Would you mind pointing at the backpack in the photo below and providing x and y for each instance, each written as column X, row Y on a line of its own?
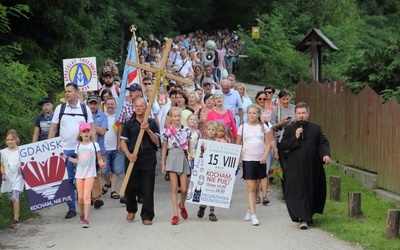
column 62, row 111
column 95, row 153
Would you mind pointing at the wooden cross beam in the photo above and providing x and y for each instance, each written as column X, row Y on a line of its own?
column 154, row 70
column 148, row 109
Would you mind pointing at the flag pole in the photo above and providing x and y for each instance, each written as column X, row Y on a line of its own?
column 132, row 55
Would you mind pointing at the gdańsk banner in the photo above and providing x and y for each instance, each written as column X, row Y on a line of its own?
column 45, row 173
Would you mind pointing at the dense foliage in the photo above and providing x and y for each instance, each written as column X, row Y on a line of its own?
column 36, row 35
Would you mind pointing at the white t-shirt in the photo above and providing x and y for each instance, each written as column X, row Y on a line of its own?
column 69, row 126
column 11, row 162
column 185, row 66
column 110, row 138
column 253, row 141
column 86, row 166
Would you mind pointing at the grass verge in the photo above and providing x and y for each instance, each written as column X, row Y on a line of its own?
column 367, row 232
column 6, row 212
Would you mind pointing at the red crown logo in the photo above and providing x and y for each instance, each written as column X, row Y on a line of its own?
column 38, row 174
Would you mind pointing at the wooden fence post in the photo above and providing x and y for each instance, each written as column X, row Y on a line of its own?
column 392, row 223
column 334, row 182
column 355, row 204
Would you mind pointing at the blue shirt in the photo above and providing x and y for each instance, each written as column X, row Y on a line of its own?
column 232, row 101
column 101, row 120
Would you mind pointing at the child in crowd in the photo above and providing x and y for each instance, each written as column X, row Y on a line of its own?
column 196, row 135
column 176, row 140
column 222, row 133
column 87, row 153
column 211, row 132
column 256, row 147
column 12, row 181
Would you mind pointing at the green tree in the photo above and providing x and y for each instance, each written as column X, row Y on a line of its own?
column 19, row 87
column 272, row 58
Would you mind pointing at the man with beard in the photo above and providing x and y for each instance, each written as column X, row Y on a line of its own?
column 108, row 79
column 305, row 188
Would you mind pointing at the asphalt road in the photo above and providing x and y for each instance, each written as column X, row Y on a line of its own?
column 109, row 229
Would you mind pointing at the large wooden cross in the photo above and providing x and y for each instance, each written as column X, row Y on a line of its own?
column 149, row 105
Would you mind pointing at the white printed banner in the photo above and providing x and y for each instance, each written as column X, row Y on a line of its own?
column 213, row 175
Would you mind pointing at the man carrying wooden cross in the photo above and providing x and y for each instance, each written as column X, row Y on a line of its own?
column 135, row 130
column 142, row 178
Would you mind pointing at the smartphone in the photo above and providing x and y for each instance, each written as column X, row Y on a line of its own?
column 288, row 118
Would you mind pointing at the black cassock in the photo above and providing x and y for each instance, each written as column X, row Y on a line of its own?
column 305, row 188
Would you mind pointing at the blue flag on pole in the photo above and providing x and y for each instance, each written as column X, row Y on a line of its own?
column 131, row 75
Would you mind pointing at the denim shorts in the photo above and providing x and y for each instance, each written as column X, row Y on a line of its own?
column 115, row 162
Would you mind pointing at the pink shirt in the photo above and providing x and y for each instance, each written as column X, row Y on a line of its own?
column 227, row 118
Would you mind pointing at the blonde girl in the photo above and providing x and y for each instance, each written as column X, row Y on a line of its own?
column 211, row 133
column 253, row 135
column 222, row 133
column 87, row 152
column 192, row 122
column 176, row 140
column 12, row 181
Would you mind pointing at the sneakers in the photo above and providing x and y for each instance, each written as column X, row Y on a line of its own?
column 122, row 200
column 200, row 213
column 85, row 224
column 15, row 224
column 254, row 220
column 248, row 216
column 98, row 203
column 70, row 214
column 272, row 180
column 303, row 225
column 184, row 213
column 175, row 220
column 166, row 177
column 212, row 217
column 82, row 217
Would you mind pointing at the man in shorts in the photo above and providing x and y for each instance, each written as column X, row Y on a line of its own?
column 115, row 159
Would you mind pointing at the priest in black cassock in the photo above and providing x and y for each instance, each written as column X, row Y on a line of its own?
column 308, row 149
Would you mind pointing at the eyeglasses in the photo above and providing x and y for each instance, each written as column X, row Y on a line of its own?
column 147, row 83
column 262, row 99
column 268, row 92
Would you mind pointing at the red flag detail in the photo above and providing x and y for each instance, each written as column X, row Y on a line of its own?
column 132, row 75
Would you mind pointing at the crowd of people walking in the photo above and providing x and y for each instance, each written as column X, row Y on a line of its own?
column 215, row 107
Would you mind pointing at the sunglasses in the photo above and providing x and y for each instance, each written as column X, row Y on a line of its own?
column 85, row 131
column 268, row 92
column 147, row 83
column 262, row 99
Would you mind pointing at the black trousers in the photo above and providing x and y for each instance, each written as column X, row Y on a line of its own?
column 142, row 181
